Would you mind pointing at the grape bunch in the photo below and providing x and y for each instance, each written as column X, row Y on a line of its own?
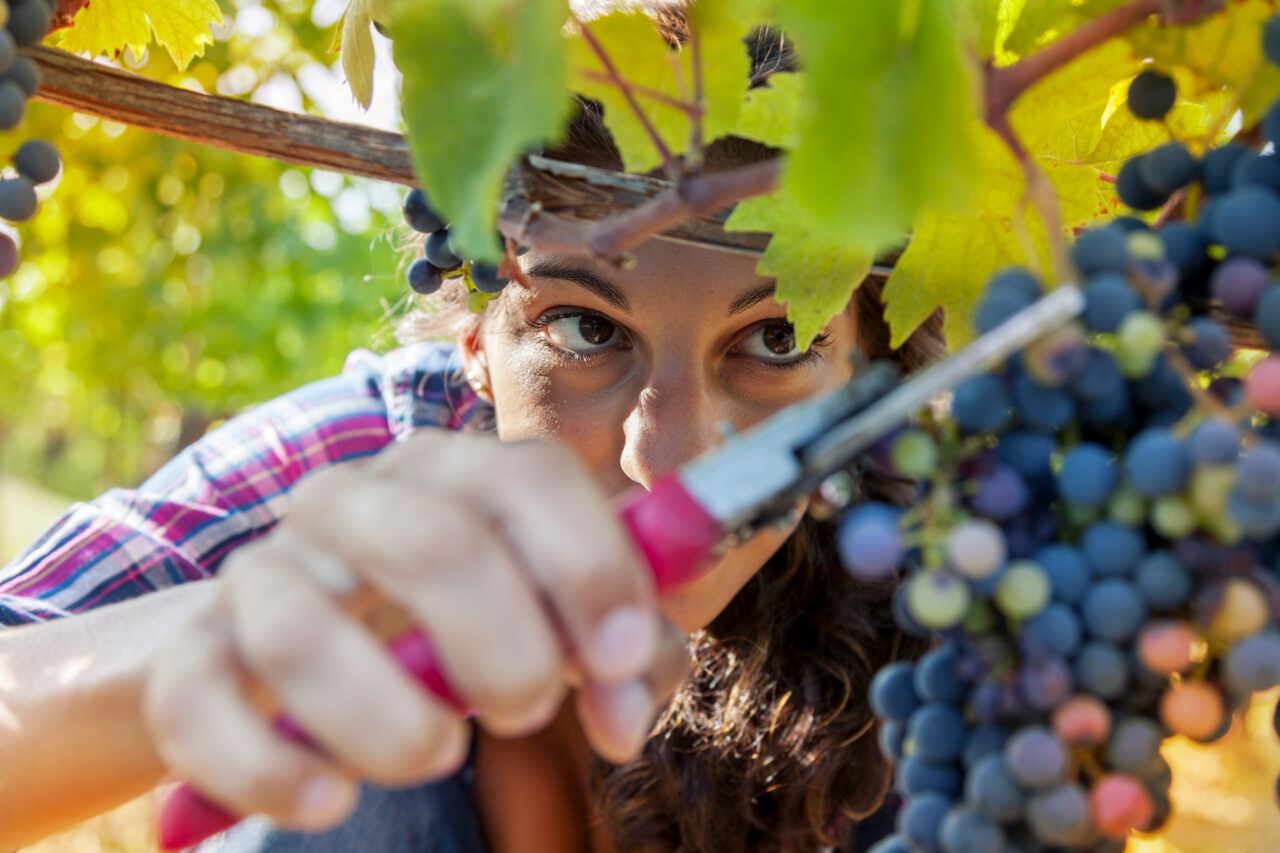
column 439, row 261
column 1095, row 542
column 36, row 161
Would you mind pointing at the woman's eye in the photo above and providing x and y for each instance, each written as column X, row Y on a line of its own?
column 771, row 342
column 583, row 333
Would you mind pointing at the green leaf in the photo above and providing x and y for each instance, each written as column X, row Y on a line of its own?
column 816, row 274
column 109, row 26
column 888, row 132
column 771, row 113
column 483, row 82
column 1223, row 50
column 639, row 55
column 952, row 254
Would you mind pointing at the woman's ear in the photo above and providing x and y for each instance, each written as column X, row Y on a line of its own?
column 474, row 361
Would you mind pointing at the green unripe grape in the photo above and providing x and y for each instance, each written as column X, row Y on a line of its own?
column 1135, row 365
column 1127, row 507
column 1210, row 488
column 1141, row 336
column 1145, row 246
column 476, row 301
column 1172, row 517
column 914, row 454
column 937, row 600
column 1023, row 591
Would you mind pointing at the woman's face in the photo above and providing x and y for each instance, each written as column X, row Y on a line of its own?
column 637, row 370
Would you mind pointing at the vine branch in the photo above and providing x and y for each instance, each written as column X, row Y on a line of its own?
column 569, row 198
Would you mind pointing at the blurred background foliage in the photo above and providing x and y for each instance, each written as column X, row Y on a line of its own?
column 168, row 285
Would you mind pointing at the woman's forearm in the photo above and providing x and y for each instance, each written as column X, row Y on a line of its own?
column 73, row 742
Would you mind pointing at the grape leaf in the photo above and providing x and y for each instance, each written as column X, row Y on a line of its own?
column 771, row 113
column 1225, row 49
column 885, row 88
column 816, row 273
column 109, row 26
column 952, row 254
column 1044, row 20
column 638, row 53
column 483, row 82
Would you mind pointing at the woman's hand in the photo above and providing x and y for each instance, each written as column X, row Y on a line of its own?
column 509, row 557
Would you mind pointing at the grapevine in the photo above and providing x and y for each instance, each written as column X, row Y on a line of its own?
column 1108, row 576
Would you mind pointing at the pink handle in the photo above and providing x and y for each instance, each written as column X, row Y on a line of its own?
column 674, row 533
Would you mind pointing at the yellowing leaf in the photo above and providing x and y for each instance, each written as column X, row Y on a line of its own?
column 639, row 54
column 816, row 274
column 502, row 67
column 109, row 26
column 1225, row 49
column 952, row 255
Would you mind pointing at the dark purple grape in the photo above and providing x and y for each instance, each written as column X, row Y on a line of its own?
column 13, row 105
column 8, row 51
column 1134, row 190
column 1218, row 167
column 418, row 214
column 8, row 256
column 37, row 160
column 486, row 279
column 1271, row 39
column 25, row 74
column 424, row 277
column 17, row 199
column 1169, row 167
column 438, row 252
column 29, row 21
column 1151, row 94
column 1238, row 283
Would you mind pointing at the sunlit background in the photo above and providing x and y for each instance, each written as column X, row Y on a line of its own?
column 168, row 286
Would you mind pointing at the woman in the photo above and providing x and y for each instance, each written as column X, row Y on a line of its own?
column 729, row 714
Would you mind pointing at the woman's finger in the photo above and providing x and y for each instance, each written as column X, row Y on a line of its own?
column 208, row 733
column 334, row 678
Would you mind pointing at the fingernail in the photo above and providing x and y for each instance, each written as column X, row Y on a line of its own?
column 323, row 799
column 634, row 704
column 625, row 642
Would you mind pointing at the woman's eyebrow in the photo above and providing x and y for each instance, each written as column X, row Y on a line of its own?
column 752, row 297
column 606, row 290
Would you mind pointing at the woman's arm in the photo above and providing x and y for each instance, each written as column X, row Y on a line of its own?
column 97, row 593
column 72, row 738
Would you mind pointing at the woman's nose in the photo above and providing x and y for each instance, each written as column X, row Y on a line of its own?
column 673, row 419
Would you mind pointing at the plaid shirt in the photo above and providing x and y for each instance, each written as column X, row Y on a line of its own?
column 233, row 484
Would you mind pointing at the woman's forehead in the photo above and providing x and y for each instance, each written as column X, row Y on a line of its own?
column 658, row 264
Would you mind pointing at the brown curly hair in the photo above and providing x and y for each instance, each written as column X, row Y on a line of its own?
column 770, row 744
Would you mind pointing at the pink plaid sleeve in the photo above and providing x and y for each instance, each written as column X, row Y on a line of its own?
column 233, row 484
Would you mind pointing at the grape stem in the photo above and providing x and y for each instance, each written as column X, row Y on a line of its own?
column 693, row 111
column 628, row 92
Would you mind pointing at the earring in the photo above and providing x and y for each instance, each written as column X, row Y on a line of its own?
column 478, row 386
